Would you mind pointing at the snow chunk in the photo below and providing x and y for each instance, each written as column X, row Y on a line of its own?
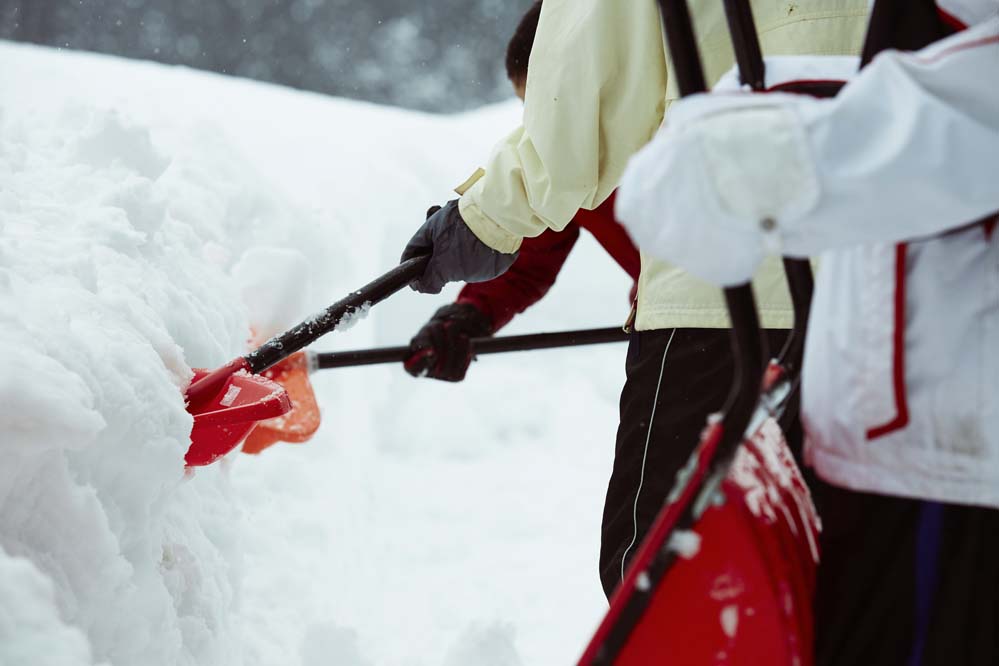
column 729, row 618
column 685, row 543
column 350, row 319
column 42, row 402
column 31, row 631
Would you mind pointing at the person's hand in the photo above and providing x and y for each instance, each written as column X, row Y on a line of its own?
column 456, row 253
column 442, row 349
column 721, row 184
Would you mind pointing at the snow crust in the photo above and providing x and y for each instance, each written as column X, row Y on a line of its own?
column 150, row 217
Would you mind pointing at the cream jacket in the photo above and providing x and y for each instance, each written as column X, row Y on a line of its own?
column 598, row 87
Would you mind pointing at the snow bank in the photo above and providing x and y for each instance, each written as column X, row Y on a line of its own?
column 148, row 217
column 106, row 299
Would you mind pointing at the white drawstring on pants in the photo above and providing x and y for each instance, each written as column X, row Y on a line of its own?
column 645, row 453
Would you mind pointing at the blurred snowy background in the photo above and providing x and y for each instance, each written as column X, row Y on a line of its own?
column 433, row 55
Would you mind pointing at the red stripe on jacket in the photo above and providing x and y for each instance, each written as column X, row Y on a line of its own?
column 540, row 260
column 950, row 20
column 901, row 419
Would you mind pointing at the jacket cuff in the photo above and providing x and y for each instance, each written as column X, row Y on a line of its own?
column 481, row 305
column 485, row 229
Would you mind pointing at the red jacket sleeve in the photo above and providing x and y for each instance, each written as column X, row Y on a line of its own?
column 527, row 281
column 611, row 235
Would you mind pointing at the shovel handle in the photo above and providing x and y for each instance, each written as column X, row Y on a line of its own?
column 508, row 343
column 747, row 342
column 282, row 346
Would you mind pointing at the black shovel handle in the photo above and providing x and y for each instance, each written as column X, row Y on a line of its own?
column 747, row 343
column 745, row 44
column 282, row 346
column 752, row 72
column 508, row 343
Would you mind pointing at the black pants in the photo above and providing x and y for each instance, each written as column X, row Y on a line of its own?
column 906, row 582
column 675, row 378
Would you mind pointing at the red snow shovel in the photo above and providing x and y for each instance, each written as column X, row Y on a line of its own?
column 727, row 571
column 302, row 421
column 229, row 401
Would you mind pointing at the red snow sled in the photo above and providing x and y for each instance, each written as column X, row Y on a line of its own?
column 727, row 572
column 726, row 575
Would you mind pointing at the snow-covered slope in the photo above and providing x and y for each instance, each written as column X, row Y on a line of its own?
column 426, row 524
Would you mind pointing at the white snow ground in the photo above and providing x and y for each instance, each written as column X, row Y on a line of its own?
column 425, row 525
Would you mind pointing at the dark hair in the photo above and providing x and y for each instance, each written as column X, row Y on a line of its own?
column 518, row 51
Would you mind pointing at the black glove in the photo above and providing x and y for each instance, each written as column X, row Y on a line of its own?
column 442, row 349
column 456, row 253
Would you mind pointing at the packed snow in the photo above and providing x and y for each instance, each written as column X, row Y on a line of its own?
column 150, row 219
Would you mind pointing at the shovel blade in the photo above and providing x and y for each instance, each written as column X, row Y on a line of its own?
column 299, row 424
column 224, row 420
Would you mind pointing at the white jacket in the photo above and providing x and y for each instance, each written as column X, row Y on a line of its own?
column 901, row 375
column 901, row 383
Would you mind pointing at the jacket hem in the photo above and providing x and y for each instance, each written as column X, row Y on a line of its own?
column 871, row 477
column 713, row 317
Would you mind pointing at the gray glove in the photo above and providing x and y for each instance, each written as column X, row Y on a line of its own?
column 456, row 254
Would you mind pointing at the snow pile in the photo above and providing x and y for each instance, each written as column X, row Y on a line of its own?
column 113, row 284
column 149, row 216
column 98, row 285
column 107, row 298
